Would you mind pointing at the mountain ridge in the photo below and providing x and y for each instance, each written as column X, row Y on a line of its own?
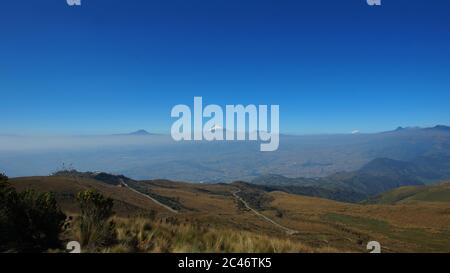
column 375, row 177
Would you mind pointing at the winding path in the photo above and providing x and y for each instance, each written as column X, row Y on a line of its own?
column 286, row 229
column 151, row 198
column 235, row 194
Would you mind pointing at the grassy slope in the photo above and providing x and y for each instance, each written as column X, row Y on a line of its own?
column 433, row 193
column 65, row 188
column 418, row 226
column 414, row 227
column 324, row 225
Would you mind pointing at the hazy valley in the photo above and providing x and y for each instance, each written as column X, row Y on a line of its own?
column 149, row 156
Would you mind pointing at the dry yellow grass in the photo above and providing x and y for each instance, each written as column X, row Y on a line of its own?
column 412, row 227
column 211, row 220
column 141, row 235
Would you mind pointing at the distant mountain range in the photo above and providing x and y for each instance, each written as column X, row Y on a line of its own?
column 144, row 155
column 435, row 128
column 140, row 132
column 377, row 176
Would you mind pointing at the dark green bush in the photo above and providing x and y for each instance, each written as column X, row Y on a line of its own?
column 95, row 227
column 3, row 177
column 28, row 221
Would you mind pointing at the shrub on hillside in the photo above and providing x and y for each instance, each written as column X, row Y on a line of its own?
column 28, row 221
column 3, row 177
column 95, row 227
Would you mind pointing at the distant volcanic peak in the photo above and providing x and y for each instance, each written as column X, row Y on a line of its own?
column 441, row 127
column 400, row 128
column 140, row 132
column 216, row 127
column 437, row 127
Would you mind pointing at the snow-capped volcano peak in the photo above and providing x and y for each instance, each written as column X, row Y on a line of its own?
column 216, row 128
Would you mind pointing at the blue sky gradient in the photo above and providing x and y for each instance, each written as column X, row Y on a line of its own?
column 114, row 66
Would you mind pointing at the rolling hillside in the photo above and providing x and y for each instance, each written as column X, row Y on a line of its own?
column 65, row 188
column 434, row 194
column 318, row 225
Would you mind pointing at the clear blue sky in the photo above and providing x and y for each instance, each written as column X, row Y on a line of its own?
column 114, row 66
